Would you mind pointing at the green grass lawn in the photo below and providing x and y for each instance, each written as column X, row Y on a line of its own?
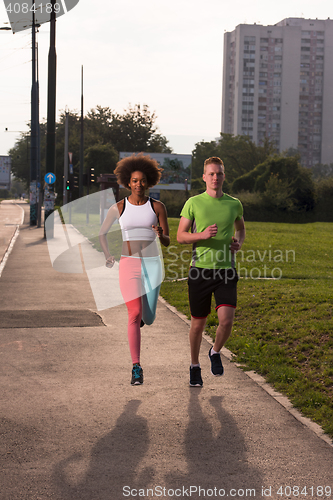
column 283, row 327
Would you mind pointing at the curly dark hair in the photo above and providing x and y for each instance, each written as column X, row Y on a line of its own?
column 139, row 162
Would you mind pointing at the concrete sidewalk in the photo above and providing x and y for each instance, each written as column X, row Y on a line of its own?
column 73, row 428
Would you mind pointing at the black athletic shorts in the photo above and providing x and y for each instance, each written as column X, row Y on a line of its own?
column 202, row 283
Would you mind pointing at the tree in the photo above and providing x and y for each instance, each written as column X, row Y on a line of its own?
column 17, row 188
column 20, row 156
column 135, row 131
column 322, row 171
column 239, row 154
column 102, row 158
column 324, row 208
column 201, row 152
column 282, row 179
column 278, row 194
column 106, row 133
column 292, row 152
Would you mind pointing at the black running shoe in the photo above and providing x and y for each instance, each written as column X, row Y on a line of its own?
column 195, row 377
column 137, row 375
column 216, row 367
column 142, row 323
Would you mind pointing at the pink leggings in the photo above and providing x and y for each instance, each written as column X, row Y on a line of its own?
column 140, row 281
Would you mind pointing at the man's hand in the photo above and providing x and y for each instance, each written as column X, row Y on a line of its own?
column 235, row 245
column 209, row 232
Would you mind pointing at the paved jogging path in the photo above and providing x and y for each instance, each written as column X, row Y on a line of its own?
column 73, row 428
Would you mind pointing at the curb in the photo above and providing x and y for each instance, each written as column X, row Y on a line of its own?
column 261, row 382
column 11, row 243
column 9, row 249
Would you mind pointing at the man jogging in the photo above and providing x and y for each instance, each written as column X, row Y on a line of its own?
column 217, row 233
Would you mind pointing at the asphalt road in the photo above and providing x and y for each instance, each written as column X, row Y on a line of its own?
column 73, row 428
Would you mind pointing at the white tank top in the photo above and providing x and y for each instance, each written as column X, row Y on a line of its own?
column 136, row 221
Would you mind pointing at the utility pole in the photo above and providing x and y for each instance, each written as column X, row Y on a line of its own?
column 51, row 116
column 34, row 144
column 65, row 198
column 39, row 173
column 81, row 141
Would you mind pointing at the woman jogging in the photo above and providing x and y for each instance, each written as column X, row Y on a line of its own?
column 141, row 219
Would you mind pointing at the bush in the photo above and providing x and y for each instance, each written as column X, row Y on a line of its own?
column 4, row 193
column 324, row 197
column 174, row 201
column 284, row 184
column 247, row 181
column 277, row 195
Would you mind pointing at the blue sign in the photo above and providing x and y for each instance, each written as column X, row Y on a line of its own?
column 154, row 194
column 50, row 178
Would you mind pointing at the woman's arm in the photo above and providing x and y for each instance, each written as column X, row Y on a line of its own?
column 112, row 215
column 162, row 229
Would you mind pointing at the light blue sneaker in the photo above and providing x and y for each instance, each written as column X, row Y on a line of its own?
column 137, row 375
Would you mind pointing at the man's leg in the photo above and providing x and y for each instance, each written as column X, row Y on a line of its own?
column 196, row 329
column 226, row 316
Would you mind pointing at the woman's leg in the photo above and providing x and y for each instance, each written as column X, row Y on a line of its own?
column 152, row 279
column 131, row 289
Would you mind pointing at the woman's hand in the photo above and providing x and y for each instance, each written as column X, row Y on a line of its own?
column 158, row 230
column 110, row 261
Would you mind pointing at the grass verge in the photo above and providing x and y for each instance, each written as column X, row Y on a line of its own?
column 283, row 327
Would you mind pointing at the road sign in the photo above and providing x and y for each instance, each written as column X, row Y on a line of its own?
column 50, row 178
column 20, row 12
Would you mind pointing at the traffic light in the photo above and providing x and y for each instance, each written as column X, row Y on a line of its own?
column 92, row 175
column 88, row 179
column 75, row 181
column 70, row 184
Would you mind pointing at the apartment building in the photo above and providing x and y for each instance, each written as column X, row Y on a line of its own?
column 278, row 83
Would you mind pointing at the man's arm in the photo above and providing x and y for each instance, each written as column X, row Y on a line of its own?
column 183, row 235
column 238, row 239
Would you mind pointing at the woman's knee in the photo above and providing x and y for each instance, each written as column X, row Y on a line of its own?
column 148, row 316
column 134, row 311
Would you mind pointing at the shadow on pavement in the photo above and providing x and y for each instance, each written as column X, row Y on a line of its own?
column 214, row 454
column 113, row 462
column 215, row 459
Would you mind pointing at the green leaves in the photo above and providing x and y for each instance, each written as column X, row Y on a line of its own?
column 106, row 133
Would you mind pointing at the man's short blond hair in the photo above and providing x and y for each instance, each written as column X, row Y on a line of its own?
column 213, row 159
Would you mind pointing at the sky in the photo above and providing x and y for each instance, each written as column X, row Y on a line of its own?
column 167, row 54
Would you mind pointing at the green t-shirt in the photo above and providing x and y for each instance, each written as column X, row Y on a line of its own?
column 204, row 210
